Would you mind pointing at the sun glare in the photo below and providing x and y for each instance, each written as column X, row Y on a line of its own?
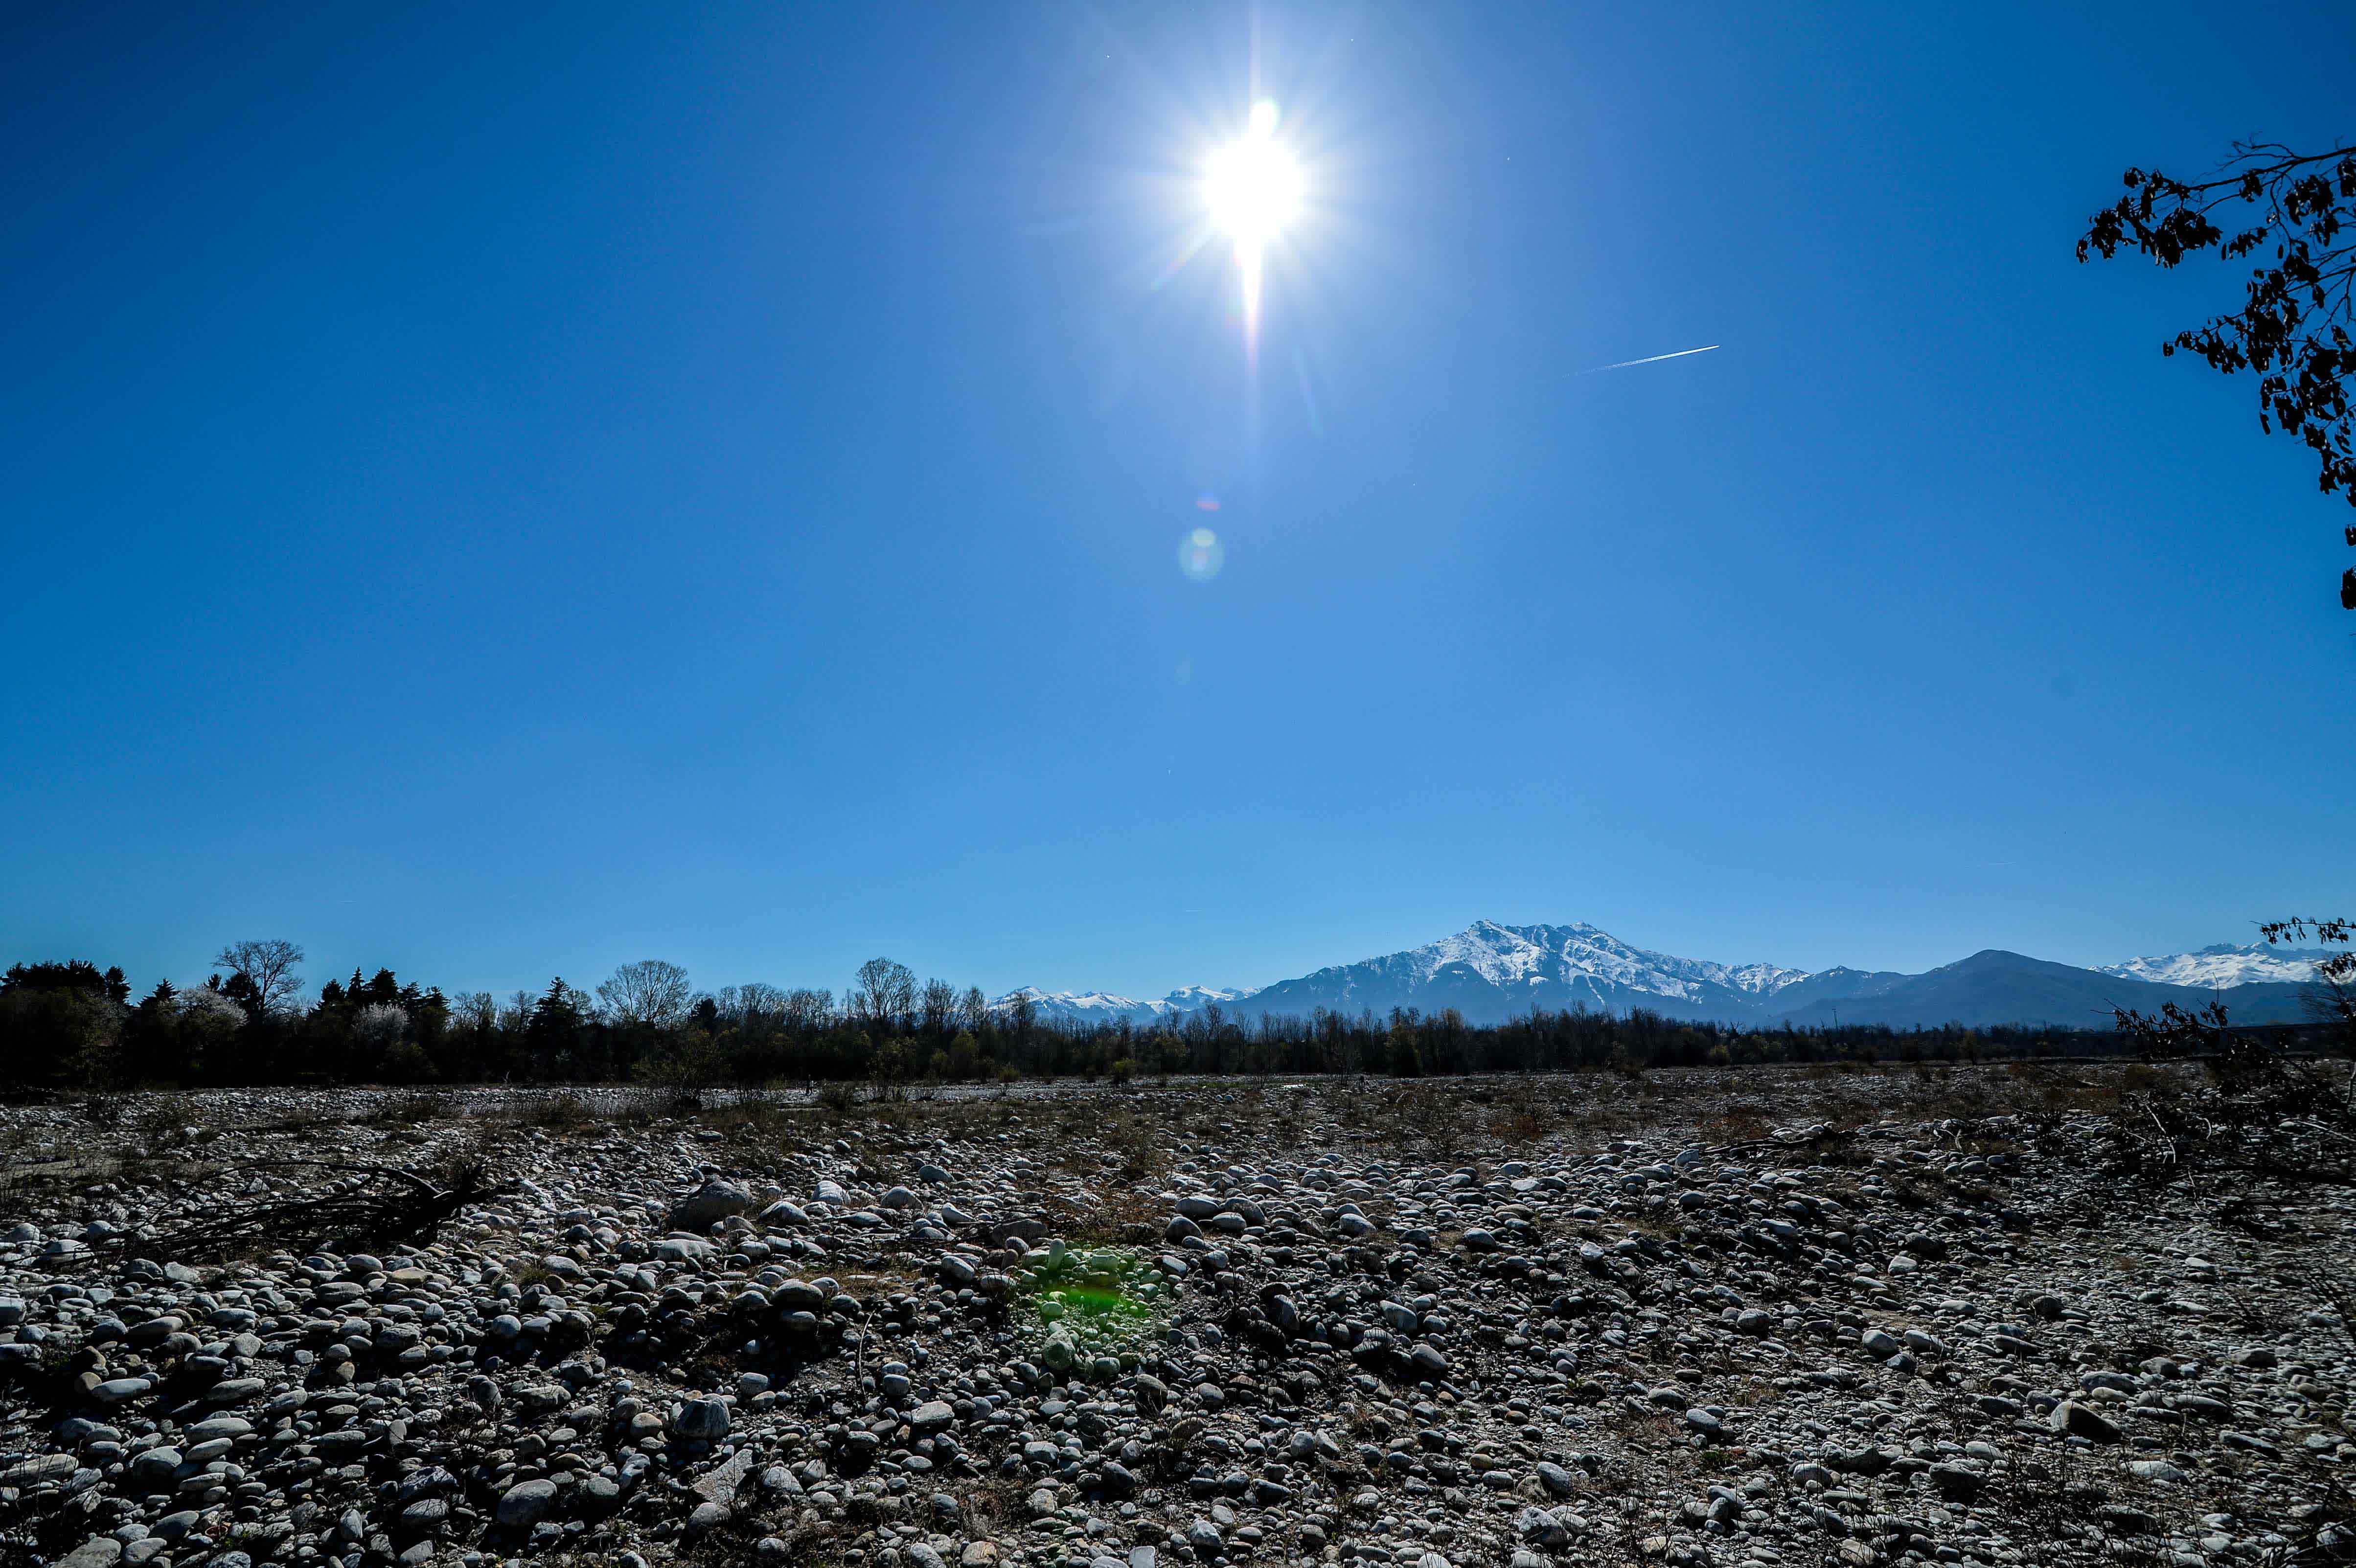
column 1253, row 188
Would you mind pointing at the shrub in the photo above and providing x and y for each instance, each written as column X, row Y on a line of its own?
column 406, row 1062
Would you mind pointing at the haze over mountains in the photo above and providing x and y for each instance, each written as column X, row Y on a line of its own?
column 1490, row 973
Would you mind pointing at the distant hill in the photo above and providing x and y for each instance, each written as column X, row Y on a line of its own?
column 1996, row 988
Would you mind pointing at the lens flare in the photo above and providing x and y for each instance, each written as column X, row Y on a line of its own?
column 1199, row 555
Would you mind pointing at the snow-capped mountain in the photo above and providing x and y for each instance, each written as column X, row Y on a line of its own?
column 1494, row 971
column 1525, row 955
column 1490, row 973
column 1188, row 998
column 1108, row 1006
column 2222, row 964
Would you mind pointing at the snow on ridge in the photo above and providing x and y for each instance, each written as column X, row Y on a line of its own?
column 1516, row 956
column 1104, row 1006
column 1764, row 979
column 1186, row 997
column 2221, row 965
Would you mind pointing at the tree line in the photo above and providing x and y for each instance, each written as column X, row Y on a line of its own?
column 70, row 1026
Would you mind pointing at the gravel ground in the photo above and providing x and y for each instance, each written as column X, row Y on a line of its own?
column 1826, row 1317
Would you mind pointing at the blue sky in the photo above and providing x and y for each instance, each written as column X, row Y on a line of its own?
column 500, row 492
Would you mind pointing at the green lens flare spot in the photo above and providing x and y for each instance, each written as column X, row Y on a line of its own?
column 1085, row 1307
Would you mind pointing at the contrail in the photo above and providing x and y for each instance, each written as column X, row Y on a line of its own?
column 1650, row 359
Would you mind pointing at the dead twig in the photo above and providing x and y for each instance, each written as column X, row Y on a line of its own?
column 385, row 1207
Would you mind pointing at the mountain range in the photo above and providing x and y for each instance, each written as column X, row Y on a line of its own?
column 1490, row 973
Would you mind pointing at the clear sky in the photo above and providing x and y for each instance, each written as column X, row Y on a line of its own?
column 501, row 492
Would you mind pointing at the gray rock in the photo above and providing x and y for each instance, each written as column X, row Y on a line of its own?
column 527, row 1503
column 98, row 1551
column 708, row 1205
column 152, row 1469
column 1957, row 1483
column 702, row 1420
column 720, row 1483
column 2084, row 1420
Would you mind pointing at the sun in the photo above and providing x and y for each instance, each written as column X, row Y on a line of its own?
column 1253, row 185
column 1252, row 189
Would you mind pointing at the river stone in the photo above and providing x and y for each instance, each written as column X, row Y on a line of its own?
column 527, row 1503
column 708, row 1205
column 703, row 1420
column 2084, row 1420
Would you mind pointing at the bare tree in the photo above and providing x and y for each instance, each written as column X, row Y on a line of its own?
column 756, row 1004
column 474, row 1011
column 809, row 1009
column 268, row 970
column 885, row 991
column 940, row 1005
column 651, row 992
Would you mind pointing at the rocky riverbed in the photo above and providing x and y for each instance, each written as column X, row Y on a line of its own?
column 1773, row 1318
